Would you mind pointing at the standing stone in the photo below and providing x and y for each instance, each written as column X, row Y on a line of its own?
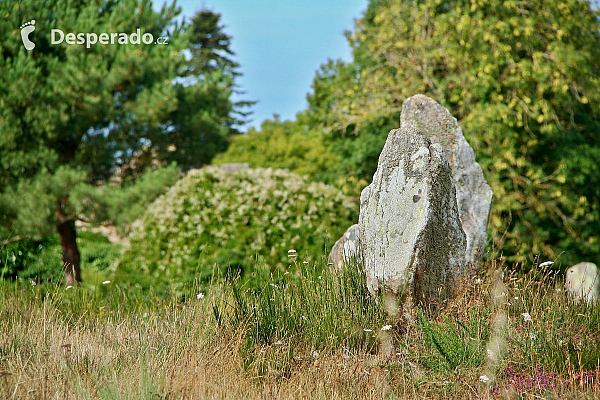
column 411, row 237
column 473, row 194
column 583, row 282
column 345, row 250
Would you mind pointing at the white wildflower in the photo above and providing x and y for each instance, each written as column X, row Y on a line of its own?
column 478, row 281
column 527, row 317
column 532, row 336
column 315, row 354
column 278, row 343
column 484, row 378
column 33, row 283
column 105, row 282
column 386, row 328
column 368, row 330
column 200, row 296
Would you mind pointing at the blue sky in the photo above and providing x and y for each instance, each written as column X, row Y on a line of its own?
column 280, row 45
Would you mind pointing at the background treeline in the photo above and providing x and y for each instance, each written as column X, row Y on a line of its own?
column 522, row 78
column 103, row 132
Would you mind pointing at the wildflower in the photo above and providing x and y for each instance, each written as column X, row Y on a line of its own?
column 278, row 343
column 484, row 378
column 386, row 328
column 105, row 282
column 545, row 264
column 368, row 330
column 315, row 354
column 305, row 262
column 292, row 253
column 200, row 296
column 527, row 317
column 532, row 336
column 33, row 283
column 478, row 281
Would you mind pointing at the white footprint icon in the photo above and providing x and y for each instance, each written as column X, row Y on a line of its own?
column 26, row 29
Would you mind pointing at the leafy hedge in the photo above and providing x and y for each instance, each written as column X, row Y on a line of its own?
column 40, row 260
column 232, row 221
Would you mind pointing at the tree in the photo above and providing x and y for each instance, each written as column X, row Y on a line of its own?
column 199, row 128
column 522, row 79
column 283, row 145
column 69, row 114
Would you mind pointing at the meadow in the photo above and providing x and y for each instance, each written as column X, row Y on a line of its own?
column 311, row 334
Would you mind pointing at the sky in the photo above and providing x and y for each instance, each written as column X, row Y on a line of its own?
column 280, row 44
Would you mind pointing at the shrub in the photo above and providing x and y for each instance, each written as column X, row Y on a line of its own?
column 232, row 221
column 40, row 260
column 284, row 144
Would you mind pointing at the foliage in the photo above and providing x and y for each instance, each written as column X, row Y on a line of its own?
column 522, row 78
column 457, row 344
column 120, row 204
column 215, row 218
column 99, row 111
column 40, row 260
column 284, row 145
column 37, row 260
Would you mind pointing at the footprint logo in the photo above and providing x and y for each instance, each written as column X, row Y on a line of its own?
column 26, row 29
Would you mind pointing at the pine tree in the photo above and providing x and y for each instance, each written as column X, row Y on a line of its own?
column 70, row 114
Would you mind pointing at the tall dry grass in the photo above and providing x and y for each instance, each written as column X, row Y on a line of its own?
column 112, row 343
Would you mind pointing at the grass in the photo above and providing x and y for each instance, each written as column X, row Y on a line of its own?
column 305, row 334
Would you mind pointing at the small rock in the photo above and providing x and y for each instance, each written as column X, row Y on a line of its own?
column 583, row 282
column 346, row 249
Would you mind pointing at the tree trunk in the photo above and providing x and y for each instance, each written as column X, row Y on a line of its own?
column 68, row 236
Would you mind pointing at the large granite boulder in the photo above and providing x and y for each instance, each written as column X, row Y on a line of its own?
column 582, row 282
column 411, row 237
column 473, row 194
column 345, row 250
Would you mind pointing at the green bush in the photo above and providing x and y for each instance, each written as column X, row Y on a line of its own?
column 287, row 145
column 37, row 260
column 40, row 260
column 232, row 221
